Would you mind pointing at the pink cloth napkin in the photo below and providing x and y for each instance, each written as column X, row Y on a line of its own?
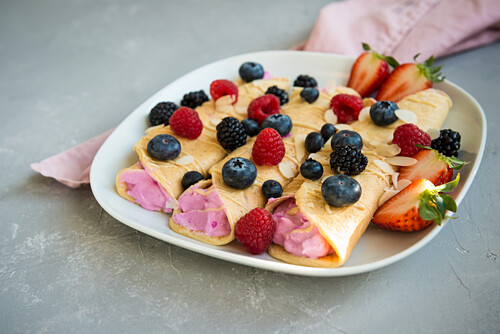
column 401, row 28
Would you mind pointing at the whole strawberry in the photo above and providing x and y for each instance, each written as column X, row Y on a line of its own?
column 186, row 123
column 268, row 148
column 255, row 230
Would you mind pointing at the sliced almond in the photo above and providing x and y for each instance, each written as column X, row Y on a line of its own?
column 364, row 114
column 184, row 160
column 384, row 166
column 330, row 117
column 389, row 138
column 395, row 180
column 403, row 184
column 215, row 121
column 332, row 86
column 343, row 127
column 386, row 196
column 369, row 101
column 300, row 147
column 401, row 161
column 388, row 150
column 286, row 170
column 433, row 133
column 407, row 116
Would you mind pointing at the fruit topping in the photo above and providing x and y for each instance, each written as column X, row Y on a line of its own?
column 369, row 71
column 251, row 71
column 194, row 99
column 416, row 206
column 231, row 134
column 382, row 113
column 272, row 189
column 186, row 123
column 407, row 136
column 239, row 173
column 327, row 130
column 190, row 178
column 255, row 230
column 348, row 159
column 220, row 88
column 279, row 122
column 262, row 107
column 281, row 94
column 347, row 137
column 347, row 107
column 305, row 81
column 314, row 142
column 251, row 127
column 161, row 113
column 310, row 94
column 448, row 143
column 340, row 190
column 311, row 169
column 164, row 147
column 431, row 165
column 409, row 78
column 268, row 148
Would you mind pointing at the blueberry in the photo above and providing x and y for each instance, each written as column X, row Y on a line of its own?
column 314, row 142
column 311, row 169
column 191, row 178
column 347, row 137
column 272, row 189
column 239, row 173
column 382, row 113
column 164, row 147
column 341, row 190
column 279, row 122
column 310, row 94
column 251, row 127
column 251, row 71
column 327, row 131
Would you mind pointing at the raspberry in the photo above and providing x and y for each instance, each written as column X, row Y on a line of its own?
column 346, row 107
column 255, row 230
column 263, row 106
column 407, row 136
column 268, row 148
column 220, row 88
column 186, row 123
column 194, row 99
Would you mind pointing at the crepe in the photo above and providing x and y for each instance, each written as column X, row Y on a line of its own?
column 343, row 227
column 305, row 118
column 201, row 153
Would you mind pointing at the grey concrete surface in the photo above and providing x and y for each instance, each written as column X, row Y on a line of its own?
column 70, row 70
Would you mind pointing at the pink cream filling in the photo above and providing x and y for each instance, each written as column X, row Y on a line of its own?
column 146, row 191
column 203, row 211
column 291, row 232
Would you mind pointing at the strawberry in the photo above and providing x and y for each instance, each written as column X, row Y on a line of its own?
column 416, row 206
column 369, row 71
column 409, row 78
column 431, row 165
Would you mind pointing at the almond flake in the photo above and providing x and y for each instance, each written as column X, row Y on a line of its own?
column 386, row 196
column 403, row 184
column 215, row 121
column 407, row 116
column 364, row 114
column 332, row 86
column 388, row 150
column 330, row 117
column 300, row 147
column 369, row 101
column 395, row 180
column 433, row 133
column 286, row 170
column 384, row 166
column 185, row 160
column 343, row 127
column 401, row 161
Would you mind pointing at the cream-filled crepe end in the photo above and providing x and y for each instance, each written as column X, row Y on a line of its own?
column 198, row 154
column 305, row 222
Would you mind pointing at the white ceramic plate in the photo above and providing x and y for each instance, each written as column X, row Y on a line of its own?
column 377, row 248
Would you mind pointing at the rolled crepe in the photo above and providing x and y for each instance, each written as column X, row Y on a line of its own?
column 196, row 154
column 235, row 202
column 342, row 227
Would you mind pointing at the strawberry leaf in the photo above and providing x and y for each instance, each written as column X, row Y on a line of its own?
column 447, row 187
column 440, row 205
column 449, row 202
column 389, row 60
column 366, row 47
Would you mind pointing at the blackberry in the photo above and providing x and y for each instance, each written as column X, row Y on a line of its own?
column 448, row 143
column 194, row 99
column 161, row 113
column 231, row 134
column 305, row 81
column 347, row 159
column 281, row 94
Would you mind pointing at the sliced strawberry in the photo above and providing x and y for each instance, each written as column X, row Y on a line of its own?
column 409, row 78
column 369, row 71
column 416, row 207
column 431, row 165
